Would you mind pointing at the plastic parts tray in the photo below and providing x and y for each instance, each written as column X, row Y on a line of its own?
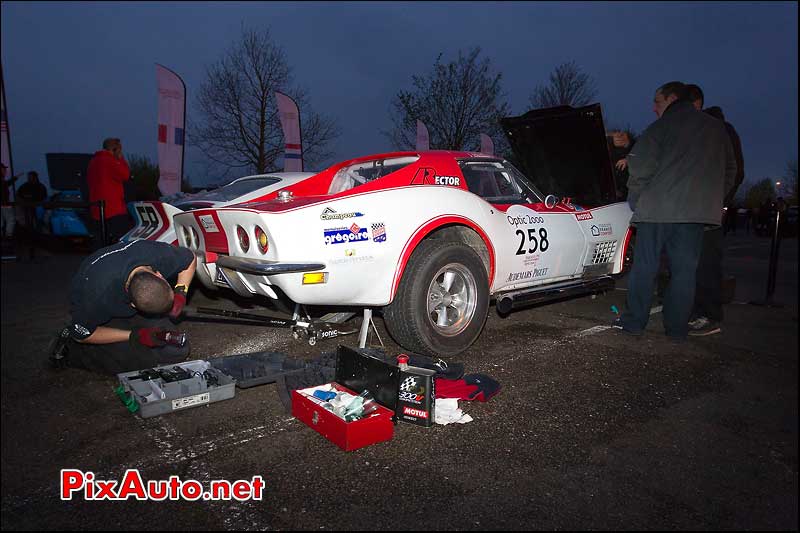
column 151, row 395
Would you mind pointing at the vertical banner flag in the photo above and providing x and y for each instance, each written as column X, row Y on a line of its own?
column 290, row 122
column 171, row 129
column 6, row 137
column 487, row 146
column 423, row 141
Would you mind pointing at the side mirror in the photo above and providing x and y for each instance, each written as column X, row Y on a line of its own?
column 550, row 201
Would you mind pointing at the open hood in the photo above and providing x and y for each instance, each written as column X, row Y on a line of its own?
column 563, row 150
column 68, row 172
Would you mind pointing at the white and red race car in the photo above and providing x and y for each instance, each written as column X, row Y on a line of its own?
column 154, row 219
column 428, row 238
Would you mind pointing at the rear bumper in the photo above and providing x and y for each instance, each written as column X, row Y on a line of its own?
column 246, row 276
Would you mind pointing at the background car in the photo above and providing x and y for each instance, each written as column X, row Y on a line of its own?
column 428, row 238
column 153, row 220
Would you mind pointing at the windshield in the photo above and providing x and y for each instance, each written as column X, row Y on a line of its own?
column 235, row 189
column 499, row 182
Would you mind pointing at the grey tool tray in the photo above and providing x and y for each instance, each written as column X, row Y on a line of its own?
column 156, row 395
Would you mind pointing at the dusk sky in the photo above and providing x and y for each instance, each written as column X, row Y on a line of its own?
column 78, row 72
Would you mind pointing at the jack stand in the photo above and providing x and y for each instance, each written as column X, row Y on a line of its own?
column 364, row 331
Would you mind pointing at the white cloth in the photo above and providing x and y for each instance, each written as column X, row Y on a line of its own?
column 447, row 412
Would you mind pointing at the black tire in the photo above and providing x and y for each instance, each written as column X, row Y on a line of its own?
column 461, row 308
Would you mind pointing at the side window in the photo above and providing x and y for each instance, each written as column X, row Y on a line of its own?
column 360, row 173
column 497, row 182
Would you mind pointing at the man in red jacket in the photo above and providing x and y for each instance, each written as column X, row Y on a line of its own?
column 107, row 172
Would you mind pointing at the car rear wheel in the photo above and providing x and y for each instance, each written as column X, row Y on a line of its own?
column 442, row 300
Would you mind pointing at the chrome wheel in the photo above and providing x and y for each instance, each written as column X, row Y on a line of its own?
column 452, row 296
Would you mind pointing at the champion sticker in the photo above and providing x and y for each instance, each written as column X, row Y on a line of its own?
column 208, row 223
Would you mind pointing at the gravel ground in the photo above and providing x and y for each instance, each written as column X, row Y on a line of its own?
column 592, row 430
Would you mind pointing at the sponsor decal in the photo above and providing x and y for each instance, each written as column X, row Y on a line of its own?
column 379, row 232
column 350, row 252
column 524, row 220
column 208, row 223
column 531, row 260
column 344, row 235
column 601, row 230
column 427, row 176
column 528, row 274
column 453, row 181
column 352, row 260
column 330, row 214
column 419, row 413
column 584, row 215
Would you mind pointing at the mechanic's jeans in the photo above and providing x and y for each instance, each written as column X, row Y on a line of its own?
column 682, row 244
column 122, row 356
column 708, row 291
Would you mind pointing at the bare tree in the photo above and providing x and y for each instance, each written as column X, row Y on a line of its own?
column 239, row 128
column 568, row 86
column 457, row 101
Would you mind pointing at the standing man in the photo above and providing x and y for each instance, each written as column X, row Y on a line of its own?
column 32, row 191
column 680, row 169
column 706, row 314
column 9, row 218
column 107, row 173
column 114, row 284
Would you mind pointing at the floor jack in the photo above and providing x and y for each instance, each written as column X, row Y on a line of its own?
column 301, row 324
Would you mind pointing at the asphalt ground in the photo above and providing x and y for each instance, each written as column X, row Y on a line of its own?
column 592, row 430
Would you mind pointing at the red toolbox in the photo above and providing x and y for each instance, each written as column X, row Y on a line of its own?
column 376, row 427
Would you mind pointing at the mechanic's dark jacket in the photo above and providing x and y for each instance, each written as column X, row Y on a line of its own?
column 716, row 112
column 680, row 168
column 97, row 293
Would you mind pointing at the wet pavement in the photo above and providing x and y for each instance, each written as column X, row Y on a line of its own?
column 592, row 430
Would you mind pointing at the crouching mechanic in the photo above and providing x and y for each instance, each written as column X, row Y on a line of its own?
column 118, row 300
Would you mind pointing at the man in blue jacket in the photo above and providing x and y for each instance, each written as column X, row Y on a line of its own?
column 680, row 169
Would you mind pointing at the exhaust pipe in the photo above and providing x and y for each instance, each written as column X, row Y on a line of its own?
column 519, row 299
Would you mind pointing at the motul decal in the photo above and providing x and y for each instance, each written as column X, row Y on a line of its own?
column 419, row 413
column 584, row 215
column 427, row 176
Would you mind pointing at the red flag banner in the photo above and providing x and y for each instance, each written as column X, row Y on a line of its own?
column 289, row 115
column 6, row 136
column 487, row 146
column 171, row 126
column 423, row 141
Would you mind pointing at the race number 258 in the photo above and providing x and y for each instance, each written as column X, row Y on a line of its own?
column 536, row 241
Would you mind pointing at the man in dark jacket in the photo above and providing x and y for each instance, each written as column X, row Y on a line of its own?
column 706, row 314
column 680, row 169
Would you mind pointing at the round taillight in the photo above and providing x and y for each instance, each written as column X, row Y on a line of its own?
column 244, row 240
column 261, row 240
column 187, row 237
column 196, row 243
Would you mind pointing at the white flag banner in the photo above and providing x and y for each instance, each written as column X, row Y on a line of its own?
column 487, row 146
column 171, row 129
column 423, row 141
column 6, row 139
column 290, row 122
